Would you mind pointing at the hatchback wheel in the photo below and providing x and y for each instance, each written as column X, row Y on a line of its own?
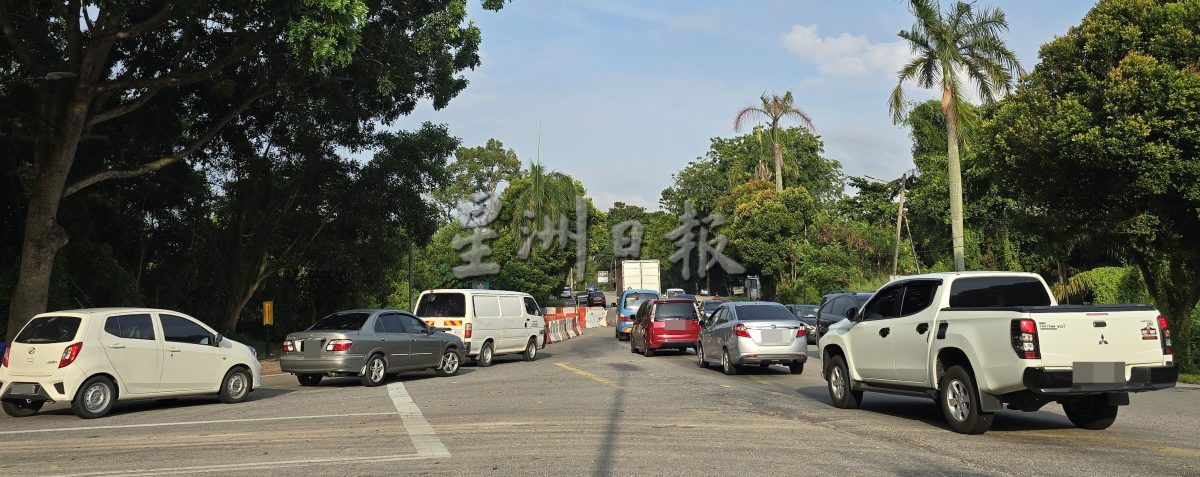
column 21, row 408
column 727, row 365
column 309, row 379
column 375, row 373
column 485, row 355
column 95, row 398
column 448, row 366
column 646, row 350
column 235, row 386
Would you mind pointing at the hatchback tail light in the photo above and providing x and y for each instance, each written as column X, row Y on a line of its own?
column 1025, row 339
column 467, row 330
column 1164, row 332
column 69, row 354
column 338, row 345
column 7, row 350
column 741, row 330
column 288, row 346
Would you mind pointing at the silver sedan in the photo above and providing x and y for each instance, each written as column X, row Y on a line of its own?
column 754, row 332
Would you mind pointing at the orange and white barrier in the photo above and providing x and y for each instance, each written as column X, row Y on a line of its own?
column 564, row 323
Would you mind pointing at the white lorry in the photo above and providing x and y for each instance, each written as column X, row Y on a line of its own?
column 639, row 275
column 977, row 341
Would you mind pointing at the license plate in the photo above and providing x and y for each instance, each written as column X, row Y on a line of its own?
column 23, row 388
column 1084, row 372
column 675, row 325
column 775, row 336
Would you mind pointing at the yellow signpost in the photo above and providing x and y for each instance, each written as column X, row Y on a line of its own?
column 268, row 313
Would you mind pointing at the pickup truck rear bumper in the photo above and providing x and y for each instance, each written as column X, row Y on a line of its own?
column 1060, row 382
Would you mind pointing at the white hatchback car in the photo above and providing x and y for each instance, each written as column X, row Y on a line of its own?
column 95, row 357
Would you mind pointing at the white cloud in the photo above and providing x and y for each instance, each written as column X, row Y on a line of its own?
column 846, row 54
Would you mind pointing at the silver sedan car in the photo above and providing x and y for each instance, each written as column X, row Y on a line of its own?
column 754, row 332
column 370, row 344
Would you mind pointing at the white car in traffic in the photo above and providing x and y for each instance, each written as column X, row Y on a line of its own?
column 93, row 358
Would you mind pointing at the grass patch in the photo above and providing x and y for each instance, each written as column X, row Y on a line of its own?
column 1189, row 378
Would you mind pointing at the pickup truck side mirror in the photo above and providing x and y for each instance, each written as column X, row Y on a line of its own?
column 852, row 314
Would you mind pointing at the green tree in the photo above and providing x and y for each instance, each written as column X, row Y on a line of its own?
column 773, row 109
column 960, row 39
column 1103, row 137
column 477, row 169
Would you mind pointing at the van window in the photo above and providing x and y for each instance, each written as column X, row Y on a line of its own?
column 442, row 305
column 992, row 292
column 486, row 306
column 510, row 306
column 531, row 307
column 49, row 329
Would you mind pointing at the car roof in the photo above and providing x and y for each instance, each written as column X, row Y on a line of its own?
column 674, row 300
column 626, row 292
column 108, row 310
column 747, row 303
column 472, row 290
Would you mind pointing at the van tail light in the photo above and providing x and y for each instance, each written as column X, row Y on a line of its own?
column 1164, row 333
column 741, row 330
column 800, row 333
column 69, row 354
column 1025, row 339
column 288, row 346
column 7, row 350
column 338, row 345
column 467, row 330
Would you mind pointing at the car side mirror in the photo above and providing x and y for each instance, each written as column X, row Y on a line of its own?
column 852, row 314
column 614, row 305
column 217, row 340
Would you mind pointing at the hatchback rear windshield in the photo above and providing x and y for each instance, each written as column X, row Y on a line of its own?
column 633, row 300
column 341, row 322
column 998, row 292
column 674, row 311
column 49, row 329
column 764, row 313
column 441, row 305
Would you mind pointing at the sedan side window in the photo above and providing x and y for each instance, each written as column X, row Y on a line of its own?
column 412, row 324
column 885, row 304
column 182, row 330
column 390, row 323
column 134, row 327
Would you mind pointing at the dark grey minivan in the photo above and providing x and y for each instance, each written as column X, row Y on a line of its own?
column 370, row 344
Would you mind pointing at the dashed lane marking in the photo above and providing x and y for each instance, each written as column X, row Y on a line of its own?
column 194, row 423
column 423, row 438
column 592, row 376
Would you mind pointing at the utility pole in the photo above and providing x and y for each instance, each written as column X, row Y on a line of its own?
column 410, row 280
column 899, row 222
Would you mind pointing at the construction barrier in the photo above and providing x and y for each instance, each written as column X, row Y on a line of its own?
column 564, row 323
column 597, row 317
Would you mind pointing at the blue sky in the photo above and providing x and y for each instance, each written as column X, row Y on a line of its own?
column 627, row 92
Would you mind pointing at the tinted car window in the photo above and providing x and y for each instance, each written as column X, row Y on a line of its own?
column 412, row 324
column 531, row 307
column 440, row 305
column 804, row 310
column 134, row 327
column 341, row 322
column 918, row 295
column 674, row 311
column 990, row 292
column 711, row 305
column 884, row 305
column 764, row 313
column 49, row 329
column 182, row 330
column 390, row 323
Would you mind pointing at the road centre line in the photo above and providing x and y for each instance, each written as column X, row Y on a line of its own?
column 250, row 466
column 592, row 376
column 760, row 380
column 194, row 423
column 424, row 439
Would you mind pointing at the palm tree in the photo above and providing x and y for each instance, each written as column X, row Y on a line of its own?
column 963, row 44
column 549, row 194
column 773, row 109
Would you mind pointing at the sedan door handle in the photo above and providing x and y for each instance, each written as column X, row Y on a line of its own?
column 116, row 346
column 173, row 350
column 884, row 332
column 922, row 328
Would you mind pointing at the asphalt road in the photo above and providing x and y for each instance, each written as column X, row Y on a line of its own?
column 589, row 407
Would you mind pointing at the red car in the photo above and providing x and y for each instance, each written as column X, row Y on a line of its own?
column 670, row 323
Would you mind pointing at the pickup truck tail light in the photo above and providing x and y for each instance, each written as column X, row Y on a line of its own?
column 288, row 346
column 69, row 354
column 338, row 345
column 467, row 330
column 1165, row 335
column 741, row 330
column 1025, row 339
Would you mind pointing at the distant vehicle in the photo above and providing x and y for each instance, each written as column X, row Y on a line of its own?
column 709, row 306
column 838, row 306
column 95, row 357
column 627, row 305
column 752, row 332
column 370, row 344
column 639, row 275
column 581, row 298
column 807, row 314
column 595, row 298
column 565, row 293
column 591, row 287
column 703, row 292
column 674, row 292
column 977, row 342
column 489, row 322
column 670, row 323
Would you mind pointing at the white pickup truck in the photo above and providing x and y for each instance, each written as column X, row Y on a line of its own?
column 977, row 341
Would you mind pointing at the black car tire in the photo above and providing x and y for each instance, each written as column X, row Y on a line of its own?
column 486, row 354
column 21, row 408
column 308, row 379
column 101, row 384
column 235, row 386
column 849, row 399
column 963, row 414
column 1090, row 412
column 646, row 350
column 367, row 379
column 530, row 353
column 700, row 356
column 764, row 365
column 727, row 365
column 796, row 367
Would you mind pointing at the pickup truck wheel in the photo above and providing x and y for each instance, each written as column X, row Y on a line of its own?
column 959, row 404
column 1091, row 412
column 839, row 385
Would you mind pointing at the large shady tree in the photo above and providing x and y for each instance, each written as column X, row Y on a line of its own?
column 78, row 75
column 960, row 45
column 773, row 109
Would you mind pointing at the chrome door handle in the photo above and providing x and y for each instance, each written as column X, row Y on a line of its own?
column 173, row 350
column 116, row 346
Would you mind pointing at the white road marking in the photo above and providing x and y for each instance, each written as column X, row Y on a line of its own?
column 250, row 466
column 193, row 423
column 423, row 438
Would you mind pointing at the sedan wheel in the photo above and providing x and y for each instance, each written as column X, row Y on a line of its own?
column 727, row 365
column 449, row 364
column 700, row 356
column 375, row 372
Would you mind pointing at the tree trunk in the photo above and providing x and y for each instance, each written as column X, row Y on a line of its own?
column 954, row 177
column 778, row 165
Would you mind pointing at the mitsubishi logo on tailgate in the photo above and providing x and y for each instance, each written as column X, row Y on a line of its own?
column 1102, row 340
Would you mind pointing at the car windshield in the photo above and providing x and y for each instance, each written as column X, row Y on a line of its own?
column 633, row 300
column 804, row 310
column 764, row 313
column 49, row 329
column 441, row 305
column 674, row 311
column 341, row 322
column 711, row 305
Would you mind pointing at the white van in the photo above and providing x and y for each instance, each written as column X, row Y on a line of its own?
column 490, row 322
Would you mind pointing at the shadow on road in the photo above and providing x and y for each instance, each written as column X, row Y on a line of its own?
column 130, row 407
column 606, row 455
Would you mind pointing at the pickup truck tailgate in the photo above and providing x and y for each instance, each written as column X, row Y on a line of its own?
column 1131, row 337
